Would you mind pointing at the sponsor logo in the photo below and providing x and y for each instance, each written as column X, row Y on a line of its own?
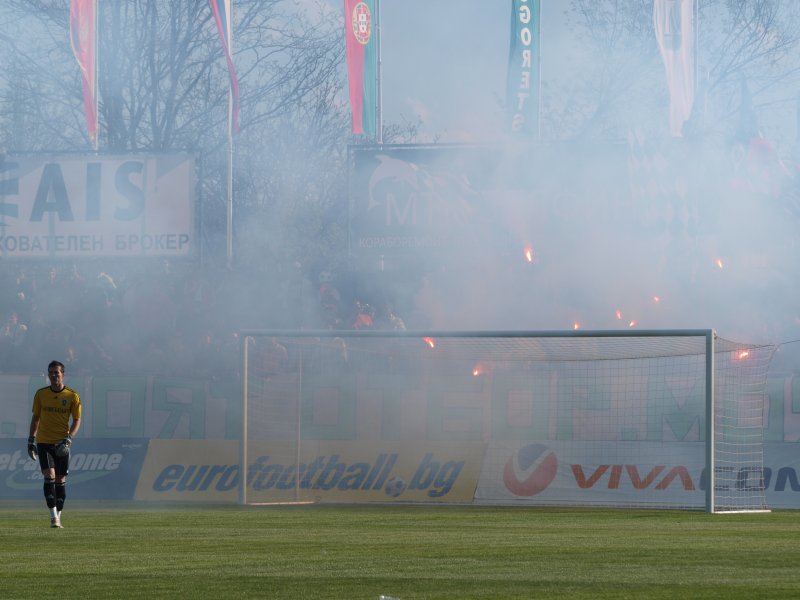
column 530, row 470
column 785, row 476
column 24, row 474
column 323, row 473
column 661, row 477
column 640, row 480
column 362, row 23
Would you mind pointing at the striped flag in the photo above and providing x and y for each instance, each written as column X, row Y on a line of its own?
column 361, row 43
column 82, row 24
column 674, row 25
column 222, row 17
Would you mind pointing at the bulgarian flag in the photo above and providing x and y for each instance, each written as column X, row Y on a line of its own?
column 361, row 40
column 82, row 23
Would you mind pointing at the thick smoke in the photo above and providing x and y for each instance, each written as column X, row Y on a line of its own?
column 643, row 232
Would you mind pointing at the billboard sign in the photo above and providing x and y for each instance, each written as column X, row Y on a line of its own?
column 81, row 206
column 100, row 469
column 462, row 202
column 325, row 471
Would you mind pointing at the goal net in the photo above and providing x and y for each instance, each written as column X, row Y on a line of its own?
column 658, row 419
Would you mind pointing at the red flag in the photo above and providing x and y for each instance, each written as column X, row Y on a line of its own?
column 82, row 22
column 222, row 16
column 360, row 44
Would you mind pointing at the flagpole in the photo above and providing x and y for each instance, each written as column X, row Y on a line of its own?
column 95, row 95
column 378, row 95
column 229, row 233
column 698, row 102
column 539, row 74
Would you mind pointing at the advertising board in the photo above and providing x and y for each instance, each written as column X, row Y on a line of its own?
column 75, row 206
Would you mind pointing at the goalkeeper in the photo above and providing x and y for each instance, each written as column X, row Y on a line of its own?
column 51, row 435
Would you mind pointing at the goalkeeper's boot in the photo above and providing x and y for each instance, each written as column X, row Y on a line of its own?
column 56, row 522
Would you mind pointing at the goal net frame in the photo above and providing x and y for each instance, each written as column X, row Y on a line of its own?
column 723, row 435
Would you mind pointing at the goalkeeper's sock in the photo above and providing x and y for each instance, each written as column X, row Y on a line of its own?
column 61, row 495
column 50, row 493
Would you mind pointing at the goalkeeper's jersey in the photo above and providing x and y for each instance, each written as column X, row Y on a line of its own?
column 54, row 410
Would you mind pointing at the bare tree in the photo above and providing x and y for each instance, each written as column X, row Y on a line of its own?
column 163, row 86
column 162, row 80
column 622, row 83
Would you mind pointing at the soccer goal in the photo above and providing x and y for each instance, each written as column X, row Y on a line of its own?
column 649, row 419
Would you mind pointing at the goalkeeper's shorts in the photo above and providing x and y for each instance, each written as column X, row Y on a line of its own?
column 49, row 460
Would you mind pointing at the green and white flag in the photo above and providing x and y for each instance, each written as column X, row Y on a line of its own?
column 522, row 92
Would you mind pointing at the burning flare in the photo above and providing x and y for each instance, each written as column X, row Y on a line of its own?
column 429, row 341
column 529, row 255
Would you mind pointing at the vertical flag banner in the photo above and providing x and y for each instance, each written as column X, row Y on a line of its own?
column 522, row 91
column 674, row 25
column 222, row 17
column 361, row 43
column 82, row 24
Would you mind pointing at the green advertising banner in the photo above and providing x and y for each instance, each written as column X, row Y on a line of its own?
column 522, row 92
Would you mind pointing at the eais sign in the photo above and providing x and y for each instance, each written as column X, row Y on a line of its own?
column 73, row 206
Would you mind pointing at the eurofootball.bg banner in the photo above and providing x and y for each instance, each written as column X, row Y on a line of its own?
column 522, row 93
column 361, row 42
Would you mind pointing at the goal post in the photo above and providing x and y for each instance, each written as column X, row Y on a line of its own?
column 628, row 418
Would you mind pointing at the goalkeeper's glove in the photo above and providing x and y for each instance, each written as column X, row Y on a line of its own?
column 32, row 448
column 62, row 448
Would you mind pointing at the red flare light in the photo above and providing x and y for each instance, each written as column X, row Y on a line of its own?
column 656, row 299
column 743, row 354
column 632, row 323
column 619, row 314
column 576, row 325
column 529, row 255
column 429, row 341
column 719, row 263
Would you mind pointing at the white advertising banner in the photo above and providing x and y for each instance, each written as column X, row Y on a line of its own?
column 80, row 206
column 596, row 473
column 622, row 473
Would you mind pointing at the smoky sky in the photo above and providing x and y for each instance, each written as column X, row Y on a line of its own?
column 639, row 231
column 642, row 231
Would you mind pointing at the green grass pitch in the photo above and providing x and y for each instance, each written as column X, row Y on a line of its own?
column 406, row 552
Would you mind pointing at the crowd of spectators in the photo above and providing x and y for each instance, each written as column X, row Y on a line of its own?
column 162, row 317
